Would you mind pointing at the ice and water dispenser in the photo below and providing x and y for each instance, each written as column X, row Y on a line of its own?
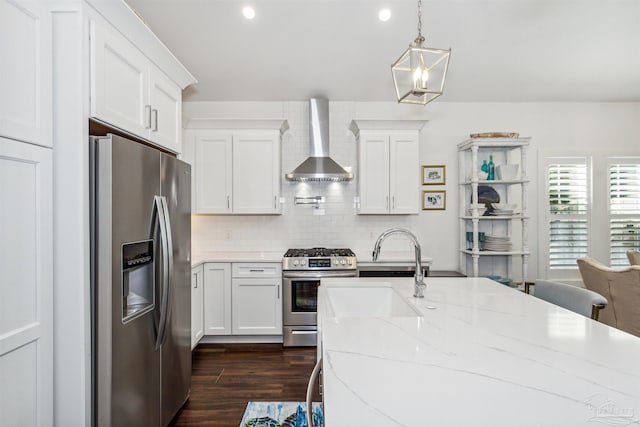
column 138, row 287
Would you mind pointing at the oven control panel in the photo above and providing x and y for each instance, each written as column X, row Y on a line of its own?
column 329, row 263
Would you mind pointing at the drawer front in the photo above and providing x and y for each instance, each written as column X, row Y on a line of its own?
column 261, row 269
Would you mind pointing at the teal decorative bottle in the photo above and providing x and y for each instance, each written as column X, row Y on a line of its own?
column 491, row 168
column 485, row 166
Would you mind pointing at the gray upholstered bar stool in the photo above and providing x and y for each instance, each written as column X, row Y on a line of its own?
column 578, row 300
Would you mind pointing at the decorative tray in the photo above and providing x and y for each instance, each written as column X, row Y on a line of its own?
column 495, row 135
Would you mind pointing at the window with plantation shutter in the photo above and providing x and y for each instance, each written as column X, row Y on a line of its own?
column 624, row 210
column 568, row 214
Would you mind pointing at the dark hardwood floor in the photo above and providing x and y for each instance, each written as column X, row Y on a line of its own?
column 227, row 376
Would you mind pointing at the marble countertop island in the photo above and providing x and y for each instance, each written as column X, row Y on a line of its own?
column 486, row 355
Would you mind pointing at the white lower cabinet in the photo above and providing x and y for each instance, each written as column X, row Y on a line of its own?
column 26, row 288
column 242, row 298
column 256, row 307
column 197, row 305
column 217, row 298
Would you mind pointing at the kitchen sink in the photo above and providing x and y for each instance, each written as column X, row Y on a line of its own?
column 368, row 301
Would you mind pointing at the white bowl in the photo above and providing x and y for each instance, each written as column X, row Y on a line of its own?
column 507, row 172
column 504, row 206
column 480, row 210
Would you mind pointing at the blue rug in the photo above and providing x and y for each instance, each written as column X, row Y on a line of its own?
column 280, row 414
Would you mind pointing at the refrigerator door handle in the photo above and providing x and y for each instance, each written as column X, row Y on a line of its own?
column 164, row 243
column 169, row 286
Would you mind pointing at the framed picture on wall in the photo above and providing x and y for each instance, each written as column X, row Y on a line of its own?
column 434, row 200
column 433, row 175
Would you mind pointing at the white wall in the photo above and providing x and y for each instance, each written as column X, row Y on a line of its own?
column 554, row 128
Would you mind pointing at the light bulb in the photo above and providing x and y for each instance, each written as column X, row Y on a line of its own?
column 248, row 12
column 384, row 15
column 420, row 78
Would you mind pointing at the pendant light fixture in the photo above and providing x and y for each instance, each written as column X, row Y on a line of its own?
column 420, row 72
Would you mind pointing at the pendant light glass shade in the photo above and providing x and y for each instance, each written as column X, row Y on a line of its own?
column 420, row 72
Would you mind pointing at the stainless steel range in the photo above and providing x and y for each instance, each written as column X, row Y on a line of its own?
column 302, row 270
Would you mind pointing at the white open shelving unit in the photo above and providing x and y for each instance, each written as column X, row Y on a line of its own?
column 475, row 262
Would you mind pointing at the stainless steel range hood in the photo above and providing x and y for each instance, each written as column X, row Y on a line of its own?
column 319, row 166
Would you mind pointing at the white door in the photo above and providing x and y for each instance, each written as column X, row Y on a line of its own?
column 119, row 82
column 373, row 169
column 257, row 307
column 166, row 111
column 197, row 305
column 25, row 71
column 404, row 173
column 212, row 153
column 26, row 305
column 256, row 172
column 217, row 298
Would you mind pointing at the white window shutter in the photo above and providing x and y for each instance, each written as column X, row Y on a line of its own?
column 568, row 214
column 624, row 211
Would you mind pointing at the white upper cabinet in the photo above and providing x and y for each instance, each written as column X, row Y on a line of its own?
column 388, row 166
column 25, row 71
column 235, row 171
column 256, row 171
column 373, row 167
column 404, row 172
column 166, row 110
column 119, row 82
column 211, row 177
column 129, row 92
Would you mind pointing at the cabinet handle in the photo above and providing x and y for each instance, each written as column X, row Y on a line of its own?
column 228, row 203
column 196, row 277
column 147, row 112
column 386, row 205
column 260, row 270
column 155, row 120
column 393, row 202
column 278, row 291
column 275, row 202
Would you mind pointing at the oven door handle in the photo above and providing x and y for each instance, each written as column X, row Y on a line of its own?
column 295, row 332
column 318, row 274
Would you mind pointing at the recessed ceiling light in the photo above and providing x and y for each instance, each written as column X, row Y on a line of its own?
column 384, row 15
column 248, row 12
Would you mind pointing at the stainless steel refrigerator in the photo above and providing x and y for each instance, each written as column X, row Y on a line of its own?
column 141, row 300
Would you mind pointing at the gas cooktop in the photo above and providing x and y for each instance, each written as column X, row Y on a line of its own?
column 319, row 252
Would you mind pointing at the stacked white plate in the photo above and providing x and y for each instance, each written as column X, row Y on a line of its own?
column 498, row 244
column 502, row 212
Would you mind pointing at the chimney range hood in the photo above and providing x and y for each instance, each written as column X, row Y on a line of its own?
column 319, row 166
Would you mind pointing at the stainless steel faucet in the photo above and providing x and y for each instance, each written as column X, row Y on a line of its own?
column 420, row 286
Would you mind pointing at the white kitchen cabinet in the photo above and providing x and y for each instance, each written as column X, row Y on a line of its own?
column 388, row 171
column 129, row 92
column 242, row 298
column 25, row 71
column 217, row 298
column 256, row 172
column 235, row 171
column 197, row 305
column 26, row 288
column 476, row 258
column 257, row 299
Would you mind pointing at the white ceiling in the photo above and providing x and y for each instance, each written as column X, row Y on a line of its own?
column 502, row 50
